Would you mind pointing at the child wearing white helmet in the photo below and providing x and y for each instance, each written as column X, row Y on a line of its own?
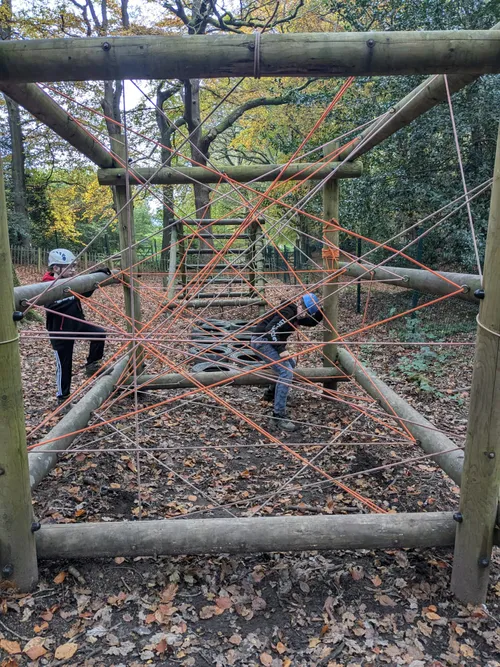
column 66, row 321
column 269, row 340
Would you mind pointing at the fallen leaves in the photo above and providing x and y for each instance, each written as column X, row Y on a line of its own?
column 60, row 577
column 66, row 651
column 12, row 648
column 35, row 649
column 224, row 603
column 385, row 601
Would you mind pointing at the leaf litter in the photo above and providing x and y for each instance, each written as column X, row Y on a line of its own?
column 338, row 609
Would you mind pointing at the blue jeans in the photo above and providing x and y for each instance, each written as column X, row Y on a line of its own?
column 284, row 371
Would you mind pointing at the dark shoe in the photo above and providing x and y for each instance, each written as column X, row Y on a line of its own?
column 93, row 368
column 269, row 393
column 60, row 401
column 283, row 423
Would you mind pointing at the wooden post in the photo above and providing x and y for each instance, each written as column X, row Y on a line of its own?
column 85, row 260
column 260, row 279
column 481, row 473
column 128, row 255
column 172, row 263
column 18, row 563
column 39, row 260
column 331, row 195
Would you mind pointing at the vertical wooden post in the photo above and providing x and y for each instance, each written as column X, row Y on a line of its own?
column 128, row 255
column 18, row 563
column 481, row 474
column 85, row 260
column 172, row 263
column 39, row 260
column 331, row 196
column 251, row 252
column 260, row 279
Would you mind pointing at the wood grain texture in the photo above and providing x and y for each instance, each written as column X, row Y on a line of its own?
column 418, row 279
column 240, row 174
column 216, row 56
column 481, row 475
column 17, row 543
column 246, row 535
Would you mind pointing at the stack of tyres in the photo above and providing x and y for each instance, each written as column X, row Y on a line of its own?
column 221, row 345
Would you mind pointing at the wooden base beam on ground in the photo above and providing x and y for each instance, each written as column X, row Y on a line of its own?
column 177, row 381
column 431, row 440
column 418, row 279
column 246, row 535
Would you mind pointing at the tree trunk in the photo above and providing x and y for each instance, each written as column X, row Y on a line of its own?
column 198, row 156
column 20, row 219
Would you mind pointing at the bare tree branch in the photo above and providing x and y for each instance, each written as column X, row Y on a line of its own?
column 231, row 118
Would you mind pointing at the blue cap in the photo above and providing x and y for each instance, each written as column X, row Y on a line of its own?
column 311, row 303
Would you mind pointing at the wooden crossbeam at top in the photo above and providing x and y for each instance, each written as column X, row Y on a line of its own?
column 216, row 56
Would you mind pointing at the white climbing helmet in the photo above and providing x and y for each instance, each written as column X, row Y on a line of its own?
column 61, row 256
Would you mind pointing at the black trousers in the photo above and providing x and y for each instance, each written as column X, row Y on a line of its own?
column 63, row 343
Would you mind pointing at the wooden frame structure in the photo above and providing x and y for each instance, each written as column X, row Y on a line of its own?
column 462, row 55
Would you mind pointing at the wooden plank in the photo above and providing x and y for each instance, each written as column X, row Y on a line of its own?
column 216, row 56
column 18, row 564
column 481, row 475
column 245, row 535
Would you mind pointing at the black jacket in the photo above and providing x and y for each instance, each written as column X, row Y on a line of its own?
column 69, row 306
column 277, row 327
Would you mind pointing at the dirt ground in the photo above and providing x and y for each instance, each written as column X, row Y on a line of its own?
column 335, row 609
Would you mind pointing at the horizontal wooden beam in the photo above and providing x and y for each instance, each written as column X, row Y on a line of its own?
column 45, row 109
column 428, row 437
column 418, row 279
column 43, row 459
column 332, row 54
column 245, row 535
column 264, row 377
column 240, row 174
column 59, row 289
column 424, row 97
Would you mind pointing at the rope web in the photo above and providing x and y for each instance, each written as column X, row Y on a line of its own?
column 126, row 424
